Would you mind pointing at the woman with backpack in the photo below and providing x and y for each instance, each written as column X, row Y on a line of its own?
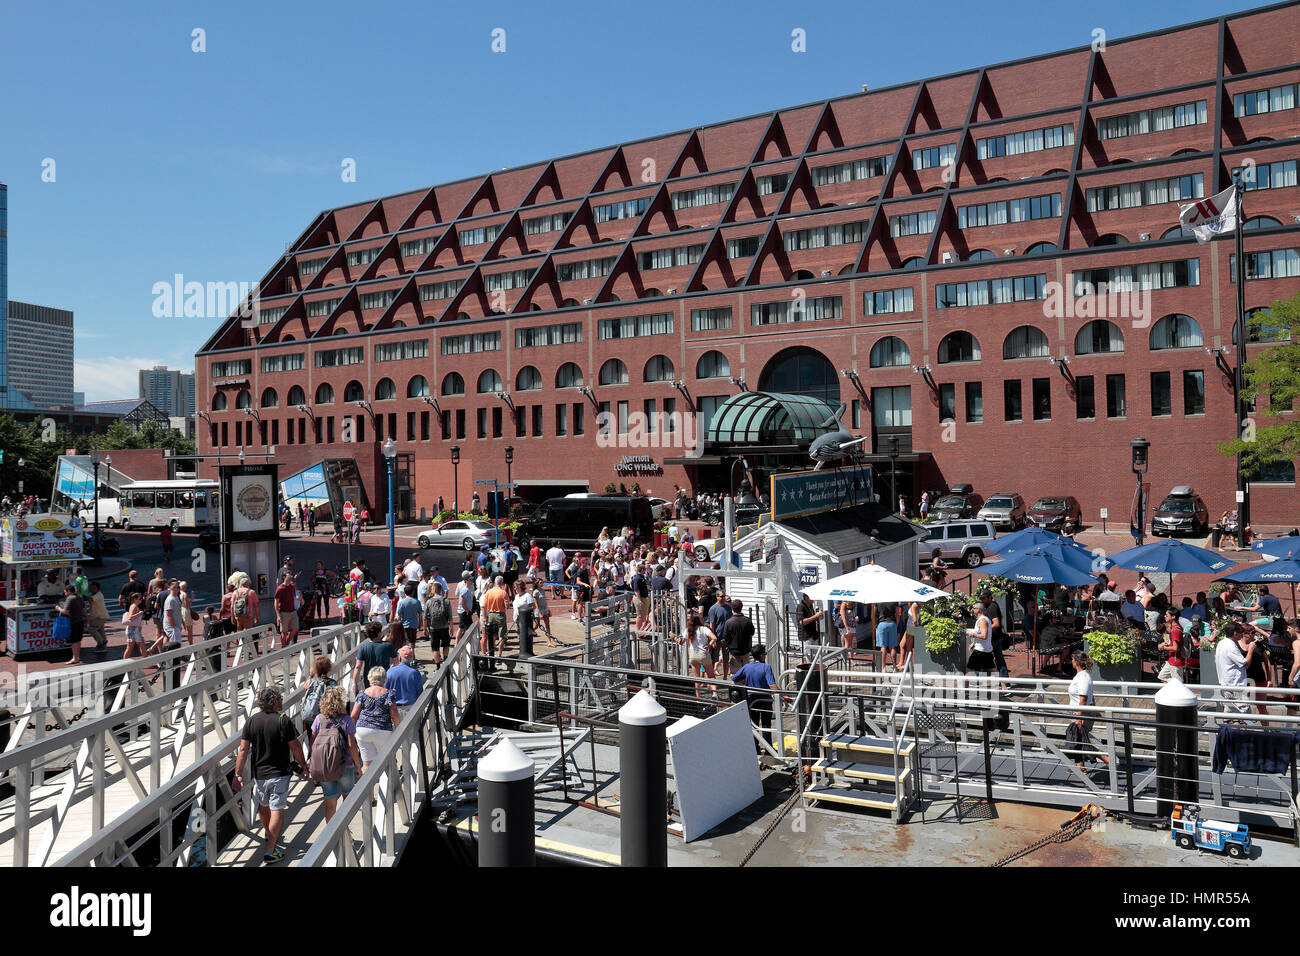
column 319, row 682
column 334, row 754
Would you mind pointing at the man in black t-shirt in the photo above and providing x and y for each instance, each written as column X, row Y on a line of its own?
column 133, row 586
column 738, row 635
column 270, row 738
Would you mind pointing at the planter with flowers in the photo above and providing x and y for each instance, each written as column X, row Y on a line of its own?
column 941, row 635
column 1117, row 656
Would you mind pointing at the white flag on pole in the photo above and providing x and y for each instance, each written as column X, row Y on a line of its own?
column 1211, row 217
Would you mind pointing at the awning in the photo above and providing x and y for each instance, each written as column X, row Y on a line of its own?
column 769, row 418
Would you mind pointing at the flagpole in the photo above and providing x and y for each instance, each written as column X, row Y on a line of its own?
column 1239, row 376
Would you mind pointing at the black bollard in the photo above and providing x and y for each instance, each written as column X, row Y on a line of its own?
column 1177, row 775
column 643, row 769
column 810, row 710
column 506, row 835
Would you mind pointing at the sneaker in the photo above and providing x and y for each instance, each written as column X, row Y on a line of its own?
column 274, row 857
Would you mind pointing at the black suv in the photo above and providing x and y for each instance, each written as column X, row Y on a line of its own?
column 960, row 502
column 1182, row 512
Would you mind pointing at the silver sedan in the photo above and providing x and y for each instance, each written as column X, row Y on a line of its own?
column 469, row 535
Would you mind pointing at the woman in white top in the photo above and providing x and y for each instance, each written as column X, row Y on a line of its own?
column 981, row 655
column 699, row 641
column 380, row 605
column 1080, row 692
column 524, row 607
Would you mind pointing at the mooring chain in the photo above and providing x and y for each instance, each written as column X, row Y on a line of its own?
column 1068, row 831
column 785, row 808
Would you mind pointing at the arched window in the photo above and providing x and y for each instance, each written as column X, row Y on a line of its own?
column 569, row 376
column 613, row 372
column 1176, row 331
column 354, row 392
column 890, row 352
column 800, row 275
column 1025, row 342
column 417, row 387
column 270, row 399
column 651, row 294
column 385, row 391
column 488, row 382
column 712, row 364
column 569, row 304
column 1177, row 231
column 297, row 396
column 1098, row 336
column 1038, row 247
column 958, row 347
column 847, row 270
column 324, row 394
column 980, row 255
column 243, row 399
column 528, row 379
column 462, row 317
column 219, row 402
column 1111, row 239
column 801, row 371
column 397, row 324
column 915, row 262
column 1260, row 222
column 1265, row 331
column 453, row 384
column 659, row 369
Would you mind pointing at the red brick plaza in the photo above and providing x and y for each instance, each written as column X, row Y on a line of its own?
column 918, row 252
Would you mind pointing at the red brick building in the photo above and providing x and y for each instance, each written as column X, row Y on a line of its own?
column 904, row 251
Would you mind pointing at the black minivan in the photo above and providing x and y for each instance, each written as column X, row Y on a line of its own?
column 576, row 522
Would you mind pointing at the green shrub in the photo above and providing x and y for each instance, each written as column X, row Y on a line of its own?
column 941, row 634
column 1111, row 649
column 610, row 488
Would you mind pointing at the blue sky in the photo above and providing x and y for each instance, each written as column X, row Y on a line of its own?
column 207, row 164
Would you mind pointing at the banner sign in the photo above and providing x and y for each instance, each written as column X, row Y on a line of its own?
column 808, row 492
column 30, row 629
column 41, row 537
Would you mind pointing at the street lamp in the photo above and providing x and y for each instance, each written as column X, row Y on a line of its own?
column 99, row 546
column 1140, row 446
column 510, row 457
column 22, row 463
column 455, row 478
column 390, row 452
column 893, row 465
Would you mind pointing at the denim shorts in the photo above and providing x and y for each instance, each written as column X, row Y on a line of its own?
column 331, row 789
column 272, row 793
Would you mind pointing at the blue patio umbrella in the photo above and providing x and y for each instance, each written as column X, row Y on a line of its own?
column 1027, row 540
column 1171, row 556
column 1281, row 571
column 1278, row 547
column 1039, row 566
column 1065, row 550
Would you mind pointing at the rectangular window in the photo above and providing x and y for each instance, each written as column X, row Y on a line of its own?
column 520, row 415
column 957, row 295
column 650, row 409
column 418, row 247
column 1042, row 399
column 1152, row 275
column 440, row 290
column 561, row 420
column 710, row 320
column 500, row 281
column 947, row 402
column 321, row 307
column 1161, row 400
column 378, row 300
column 704, row 196
column 635, row 326
column 400, row 351
column 1030, row 141
column 796, row 310
column 622, row 418
column 460, row 424
column 537, row 421
column 1011, row 210
column 579, row 411
column 1193, row 392
column 1268, row 264
column 584, row 269
column 667, row 258
column 1277, row 175
column 496, row 421
column 775, row 183
column 468, row 344
column 887, row 302
column 857, row 414
column 1152, row 121
column 424, row 426
column 819, row 237
column 743, row 247
column 329, row 358
column 912, row 224
column 1148, row 192
column 271, row 316
column 565, row 333
column 846, row 172
column 410, row 426
column 363, row 257
column 476, row 237
column 481, row 415
column 1085, row 399
column 232, row 368
column 934, row 156
column 628, row 209
column 1011, row 410
column 309, row 267
column 538, row 225
column 1265, row 101
column 892, row 407
column 974, row 402
column 292, row 362
column 603, row 416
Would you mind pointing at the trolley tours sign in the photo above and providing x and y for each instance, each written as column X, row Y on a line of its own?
column 41, row 537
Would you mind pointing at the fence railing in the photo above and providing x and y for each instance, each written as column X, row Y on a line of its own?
column 196, row 715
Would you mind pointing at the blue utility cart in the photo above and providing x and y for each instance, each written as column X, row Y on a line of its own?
column 1190, row 831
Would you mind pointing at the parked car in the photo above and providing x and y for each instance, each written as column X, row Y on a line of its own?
column 1057, row 513
column 746, row 514
column 469, row 535
column 960, row 502
column 963, row 541
column 1004, row 510
column 1182, row 512
column 576, row 522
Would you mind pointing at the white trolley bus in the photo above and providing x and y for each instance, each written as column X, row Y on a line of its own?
column 182, row 504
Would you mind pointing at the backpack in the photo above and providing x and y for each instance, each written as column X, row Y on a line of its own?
column 311, row 701
column 437, row 612
column 329, row 754
column 642, row 589
column 239, row 605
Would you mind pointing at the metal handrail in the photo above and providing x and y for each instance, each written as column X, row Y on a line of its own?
column 94, row 740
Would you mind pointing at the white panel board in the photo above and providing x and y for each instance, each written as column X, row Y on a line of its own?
column 716, row 768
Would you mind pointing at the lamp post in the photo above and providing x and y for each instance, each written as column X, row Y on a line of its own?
column 455, row 478
column 1140, row 447
column 22, row 463
column 510, row 457
column 390, row 452
column 893, row 466
column 99, row 545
